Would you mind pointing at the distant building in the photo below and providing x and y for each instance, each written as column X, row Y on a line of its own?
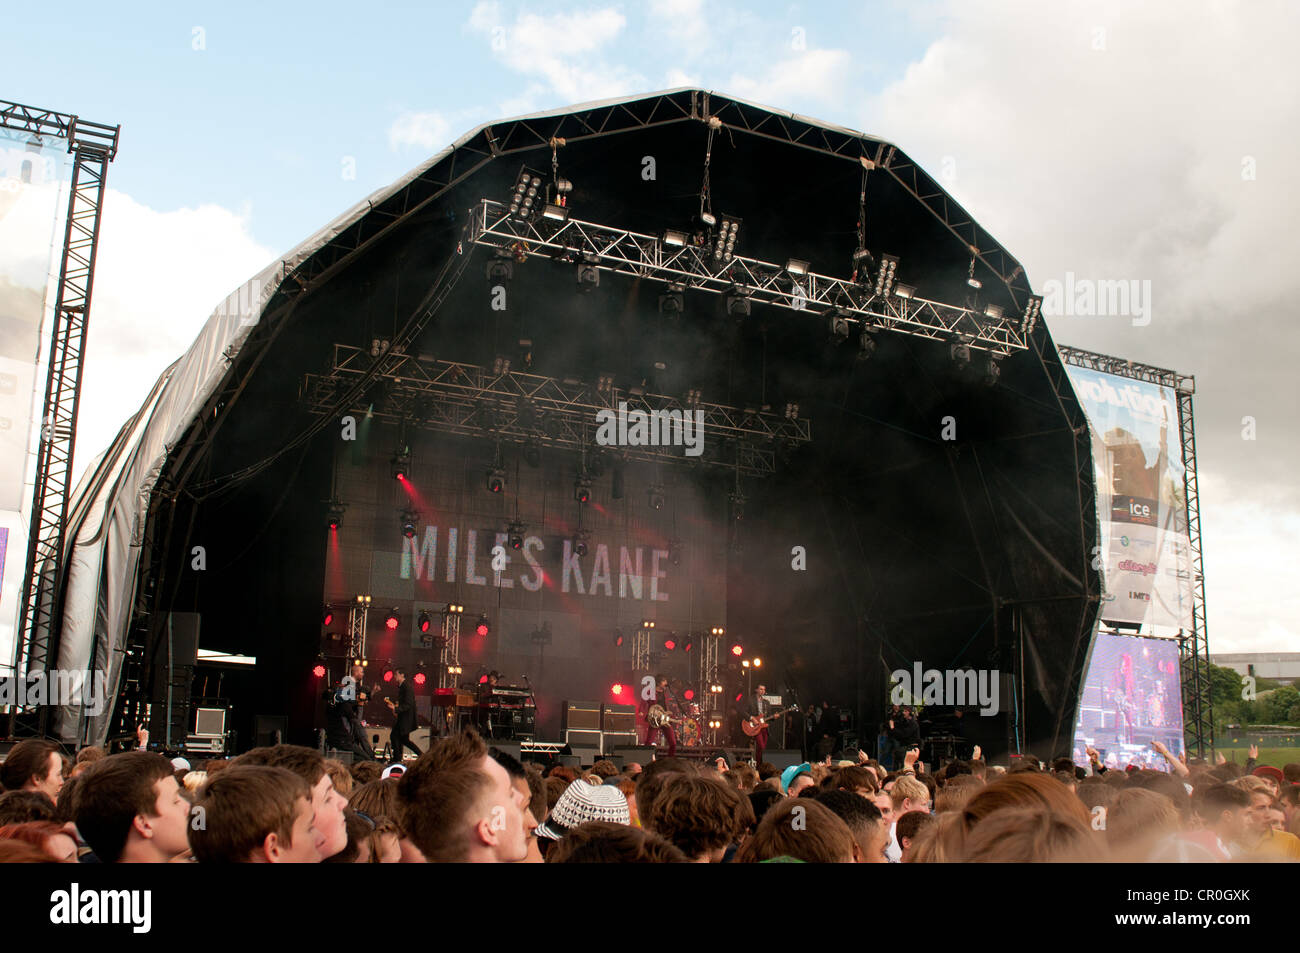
column 1280, row 666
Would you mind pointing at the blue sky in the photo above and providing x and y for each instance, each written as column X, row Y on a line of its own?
column 261, row 116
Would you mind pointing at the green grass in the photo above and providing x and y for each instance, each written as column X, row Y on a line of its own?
column 1274, row 756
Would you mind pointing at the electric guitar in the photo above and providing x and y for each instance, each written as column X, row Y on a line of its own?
column 752, row 726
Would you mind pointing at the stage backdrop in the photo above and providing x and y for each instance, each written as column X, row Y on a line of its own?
column 1137, row 452
column 1132, row 695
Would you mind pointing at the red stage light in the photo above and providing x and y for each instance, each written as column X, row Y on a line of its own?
column 739, row 696
column 669, row 644
column 388, row 674
column 392, row 620
column 328, row 618
column 737, row 650
column 419, row 678
column 319, row 670
column 688, row 694
column 617, row 689
column 481, row 629
column 425, row 622
column 482, row 679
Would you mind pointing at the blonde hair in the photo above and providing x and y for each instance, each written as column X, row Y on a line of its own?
column 194, row 781
column 907, row 787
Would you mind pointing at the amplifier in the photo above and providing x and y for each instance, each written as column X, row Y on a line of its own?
column 619, row 718
column 209, row 722
column 579, row 737
column 584, row 716
column 206, row 745
column 613, row 739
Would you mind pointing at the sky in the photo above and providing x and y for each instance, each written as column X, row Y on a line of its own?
column 1097, row 141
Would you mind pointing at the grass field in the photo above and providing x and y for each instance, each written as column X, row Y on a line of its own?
column 1274, row 756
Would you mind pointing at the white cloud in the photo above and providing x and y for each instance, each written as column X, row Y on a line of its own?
column 158, row 277
column 684, row 25
column 430, row 131
column 821, row 75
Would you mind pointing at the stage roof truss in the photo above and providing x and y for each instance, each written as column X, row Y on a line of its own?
column 469, row 400
column 638, row 255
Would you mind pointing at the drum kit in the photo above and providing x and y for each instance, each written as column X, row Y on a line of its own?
column 692, row 727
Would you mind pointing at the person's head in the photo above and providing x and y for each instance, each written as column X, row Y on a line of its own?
column 605, row 768
column 327, row 804
column 399, row 676
column 865, row 823
column 363, row 772
column 1025, row 789
column 943, row 842
column 1291, row 772
column 340, row 777
column 1093, row 793
column 760, row 690
column 130, row 809
column 909, row 794
column 1033, row 835
column 49, row 836
column 885, row 805
column 652, row 780
column 797, row 777
column 1223, row 809
column 1167, row 784
column 257, row 814
column 359, row 827
column 521, row 782
column 700, row 815
column 661, row 682
column 358, row 671
column 854, row 779
column 604, row 842
column 459, row 804
column 1137, row 820
column 33, row 765
column 908, row 827
column 1259, row 814
column 19, row 807
column 957, row 793
column 743, row 777
column 385, row 842
column 979, row 768
column 802, row 829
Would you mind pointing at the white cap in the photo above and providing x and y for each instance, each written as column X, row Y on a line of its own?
column 180, row 764
column 393, row 771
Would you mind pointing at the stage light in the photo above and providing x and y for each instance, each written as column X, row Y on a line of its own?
column 738, row 650
column 791, row 411
column 959, row 351
column 866, row 345
column 1033, row 308
column 582, row 490
column 588, row 273
column 618, row 638
column 408, row 524
column 993, row 311
column 515, row 532
column 580, row 542
column 500, row 366
column 454, row 669
column 839, row 326
column 426, row 620
column 745, row 664
column 656, row 496
column 327, row 617
column 455, row 608
column 400, row 463
column 739, row 696
column 318, row 670
column 724, row 242
column 758, row 663
column 688, row 645
column 992, row 371
column 482, row 679
column 647, row 623
column 970, row 273
column 738, row 303
column 563, row 186
column 334, row 518
column 500, row 268
column 689, row 694
column 482, row 629
column 525, row 198
column 796, row 266
column 672, row 302
column 556, row 213
column 616, row 690
column 496, row 481
column 388, row 675
column 717, row 630
column 392, row 620
column 670, row 645
column 885, row 274
column 906, row 292
column 420, row 678
column 674, row 238
column 708, row 218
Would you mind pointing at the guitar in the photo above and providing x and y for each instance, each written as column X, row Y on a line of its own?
column 657, row 716
column 752, row 726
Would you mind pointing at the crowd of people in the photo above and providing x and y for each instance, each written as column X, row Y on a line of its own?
column 462, row 801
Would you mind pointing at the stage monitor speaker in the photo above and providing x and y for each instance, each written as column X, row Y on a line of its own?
column 184, row 628
column 270, row 730
column 507, row 747
column 579, row 715
column 586, row 755
column 209, row 722
column 619, row 718
column 635, row 754
column 612, row 740
column 582, row 737
column 783, row 758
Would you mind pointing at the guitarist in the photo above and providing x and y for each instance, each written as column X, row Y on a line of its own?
column 757, row 708
column 652, row 730
column 405, row 712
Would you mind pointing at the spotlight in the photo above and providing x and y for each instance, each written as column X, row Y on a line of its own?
column 500, row 268
column 738, row 650
column 688, row 645
column 839, row 326
column 454, row 670
column 758, row 663
column 401, row 463
column 739, row 696
column 993, row 311
column 647, row 623
column 563, row 186
column 556, row 213
column 657, row 496
column 496, row 480
column 392, row 620
column 672, row 302
column 689, row 694
column 866, row 345
column 426, row 620
column 906, row 292
column 454, row 608
column 717, row 630
column 959, row 351
column 580, row 545
column 738, row 304
column 616, row 690
column 500, row 366
column 791, row 411
column 618, row 638
column 335, row 515
column 582, row 490
column 796, row 266
column 327, row 617
column 388, row 675
column 745, row 664
column 1033, row 308
column 318, row 670
column 588, row 273
column 724, row 242
column 419, row 678
column 885, row 274
column 708, row 219
column 993, row 370
column 525, row 199
column 515, row 532
column 482, row 629
column 670, row 645
column 408, row 524
column 673, row 238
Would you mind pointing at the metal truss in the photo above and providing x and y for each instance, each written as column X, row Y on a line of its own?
column 692, row 267
column 643, row 658
column 93, row 146
column 358, row 616
column 449, row 651
column 465, row 399
column 1194, row 646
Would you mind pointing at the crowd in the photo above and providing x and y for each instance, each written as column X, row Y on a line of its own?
column 462, row 801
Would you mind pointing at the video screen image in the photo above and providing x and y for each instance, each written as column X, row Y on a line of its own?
column 1132, row 696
